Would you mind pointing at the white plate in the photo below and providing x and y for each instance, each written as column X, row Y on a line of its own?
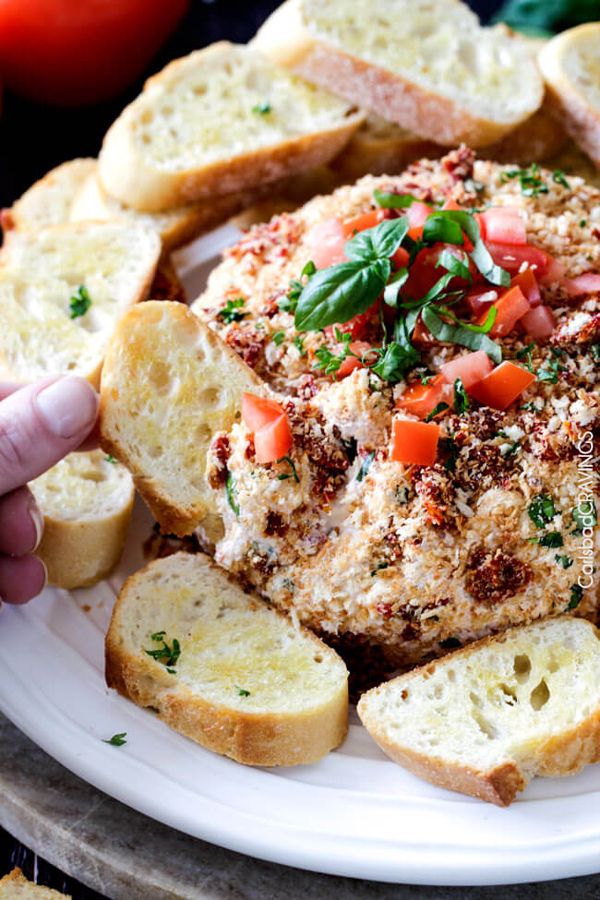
column 355, row 813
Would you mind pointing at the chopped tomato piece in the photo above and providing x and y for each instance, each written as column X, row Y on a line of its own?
column 588, row 283
column 502, row 386
column 470, row 368
column 400, row 258
column 421, row 399
column 417, row 214
column 273, row 441
column 527, row 282
column 554, row 270
column 326, row 242
column 359, row 325
column 268, row 422
column 449, row 203
column 539, row 322
column 351, row 362
column 481, row 222
column 414, row 443
column 361, row 223
column 511, row 306
column 421, row 336
column 479, row 299
column 514, row 258
column 504, row 225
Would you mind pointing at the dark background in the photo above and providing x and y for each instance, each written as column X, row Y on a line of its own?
column 34, row 139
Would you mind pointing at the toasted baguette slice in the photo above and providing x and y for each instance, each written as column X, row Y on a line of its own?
column 169, row 385
column 218, row 121
column 175, row 227
column 428, row 66
column 86, row 500
column 484, row 720
column 248, row 684
column 48, row 201
column 570, row 64
column 40, row 273
column 15, row 886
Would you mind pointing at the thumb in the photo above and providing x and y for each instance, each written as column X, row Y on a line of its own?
column 40, row 424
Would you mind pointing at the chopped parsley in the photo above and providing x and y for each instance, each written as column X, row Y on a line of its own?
column 231, row 312
column 80, row 302
column 558, row 177
column 550, row 373
column 378, row 568
column 582, row 223
column 530, row 179
column 366, row 465
column 389, row 200
column 231, row 491
column 461, row 401
column 584, row 516
column 110, row 459
column 278, row 337
column 595, row 351
column 565, row 561
column 117, row 740
column 299, row 344
column 290, row 301
column 525, row 356
column 262, row 109
column 450, row 643
column 439, row 408
column 541, row 510
column 550, row 539
column 242, row 692
column 293, row 473
column 168, row 655
column 449, row 446
column 576, row 596
column 330, row 362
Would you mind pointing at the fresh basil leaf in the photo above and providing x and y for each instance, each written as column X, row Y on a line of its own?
column 339, row 293
column 392, row 289
column 365, row 466
column 439, row 228
column 393, row 201
column 117, row 740
column 396, row 361
column 480, row 254
column 546, row 15
column 484, row 328
column 458, row 334
column 541, row 510
column 584, row 515
column 461, row 401
column 436, row 411
column 550, row 539
column 576, row 596
column 454, row 265
column 565, row 561
column 377, row 243
column 80, row 302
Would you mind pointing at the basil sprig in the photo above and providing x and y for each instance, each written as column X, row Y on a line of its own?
column 460, row 334
column 340, row 292
column 448, row 225
column 388, row 200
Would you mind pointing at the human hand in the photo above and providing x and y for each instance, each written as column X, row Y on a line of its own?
column 39, row 424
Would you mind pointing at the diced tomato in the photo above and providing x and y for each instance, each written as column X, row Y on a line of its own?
column 539, row 322
column 362, row 222
column 502, row 386
column 326, row 242
column 554, row 270
column 511, row 306
column 359, row 325
column 588, row 283
column 528, row 284
column 513, row 257
column 470, row 368
column 351, row 362
column 451, row 204
column 414, row 443
column 400, row 258
column 268, row 422
column 504, row 225
column 274, row 441
column 481, row 222
column 422, row 337
column 421, row 399
column 479, row 299
column 417, row 214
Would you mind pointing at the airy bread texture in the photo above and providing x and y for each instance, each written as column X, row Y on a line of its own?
column 570, row 64
column 15, row 886
column 48, row 201
column 175, row 227
column 429, row 67
column 171, row 146
column 248, row 684
column 39, row 274
column 169, row 385
column 86, row 500
column 486, row 719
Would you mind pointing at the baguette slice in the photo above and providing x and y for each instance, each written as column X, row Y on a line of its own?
column 169, row 385
column 86, row 501
column 570, row 63
column 428, row 66
column 219, row 121
column 175, row 227
column 48, row 201
column 484, row 720
column 248, row 684
column 40, row 273
column 15, row 886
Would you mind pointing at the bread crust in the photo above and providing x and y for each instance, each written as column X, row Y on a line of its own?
column 259, row 739
column 580, row 118
column 128, row 178
column 286, row 41
column 15, row 886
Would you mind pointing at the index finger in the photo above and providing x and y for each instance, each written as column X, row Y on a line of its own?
column 9, row 387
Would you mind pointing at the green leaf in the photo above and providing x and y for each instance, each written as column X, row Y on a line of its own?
column 546, row 15
column 231, row 311
column 169, row 655
column 541, row 510
column 459, row 334
column 117, row 740
column 595, row 351
column 558, row 177
column 338, row 293
column 290, row 301
column 476, row 329
column 550, row 539
column 242, row 692
column 278, row 337
column 530, row 179
column 231, row 492
column 396, row 361
column 565, row 561
column 80, row 303
column 480, row 254
column 461, row 401
column 262, row 108
column 585, row 516
column 576, row 596
column 436, row 411
column 377, row 243
column 393, row 201
column 365, row 466
column 440, row 228
column 454, row 265
column 110, row 459
column 392, row 288
column 293, row 474
column 378, row 568
column 299, row 344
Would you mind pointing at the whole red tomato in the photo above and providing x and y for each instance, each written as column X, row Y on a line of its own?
column 73, row 52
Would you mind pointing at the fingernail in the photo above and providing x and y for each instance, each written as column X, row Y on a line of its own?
column 67, row 406
column 38, row 521
column 45, row 568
